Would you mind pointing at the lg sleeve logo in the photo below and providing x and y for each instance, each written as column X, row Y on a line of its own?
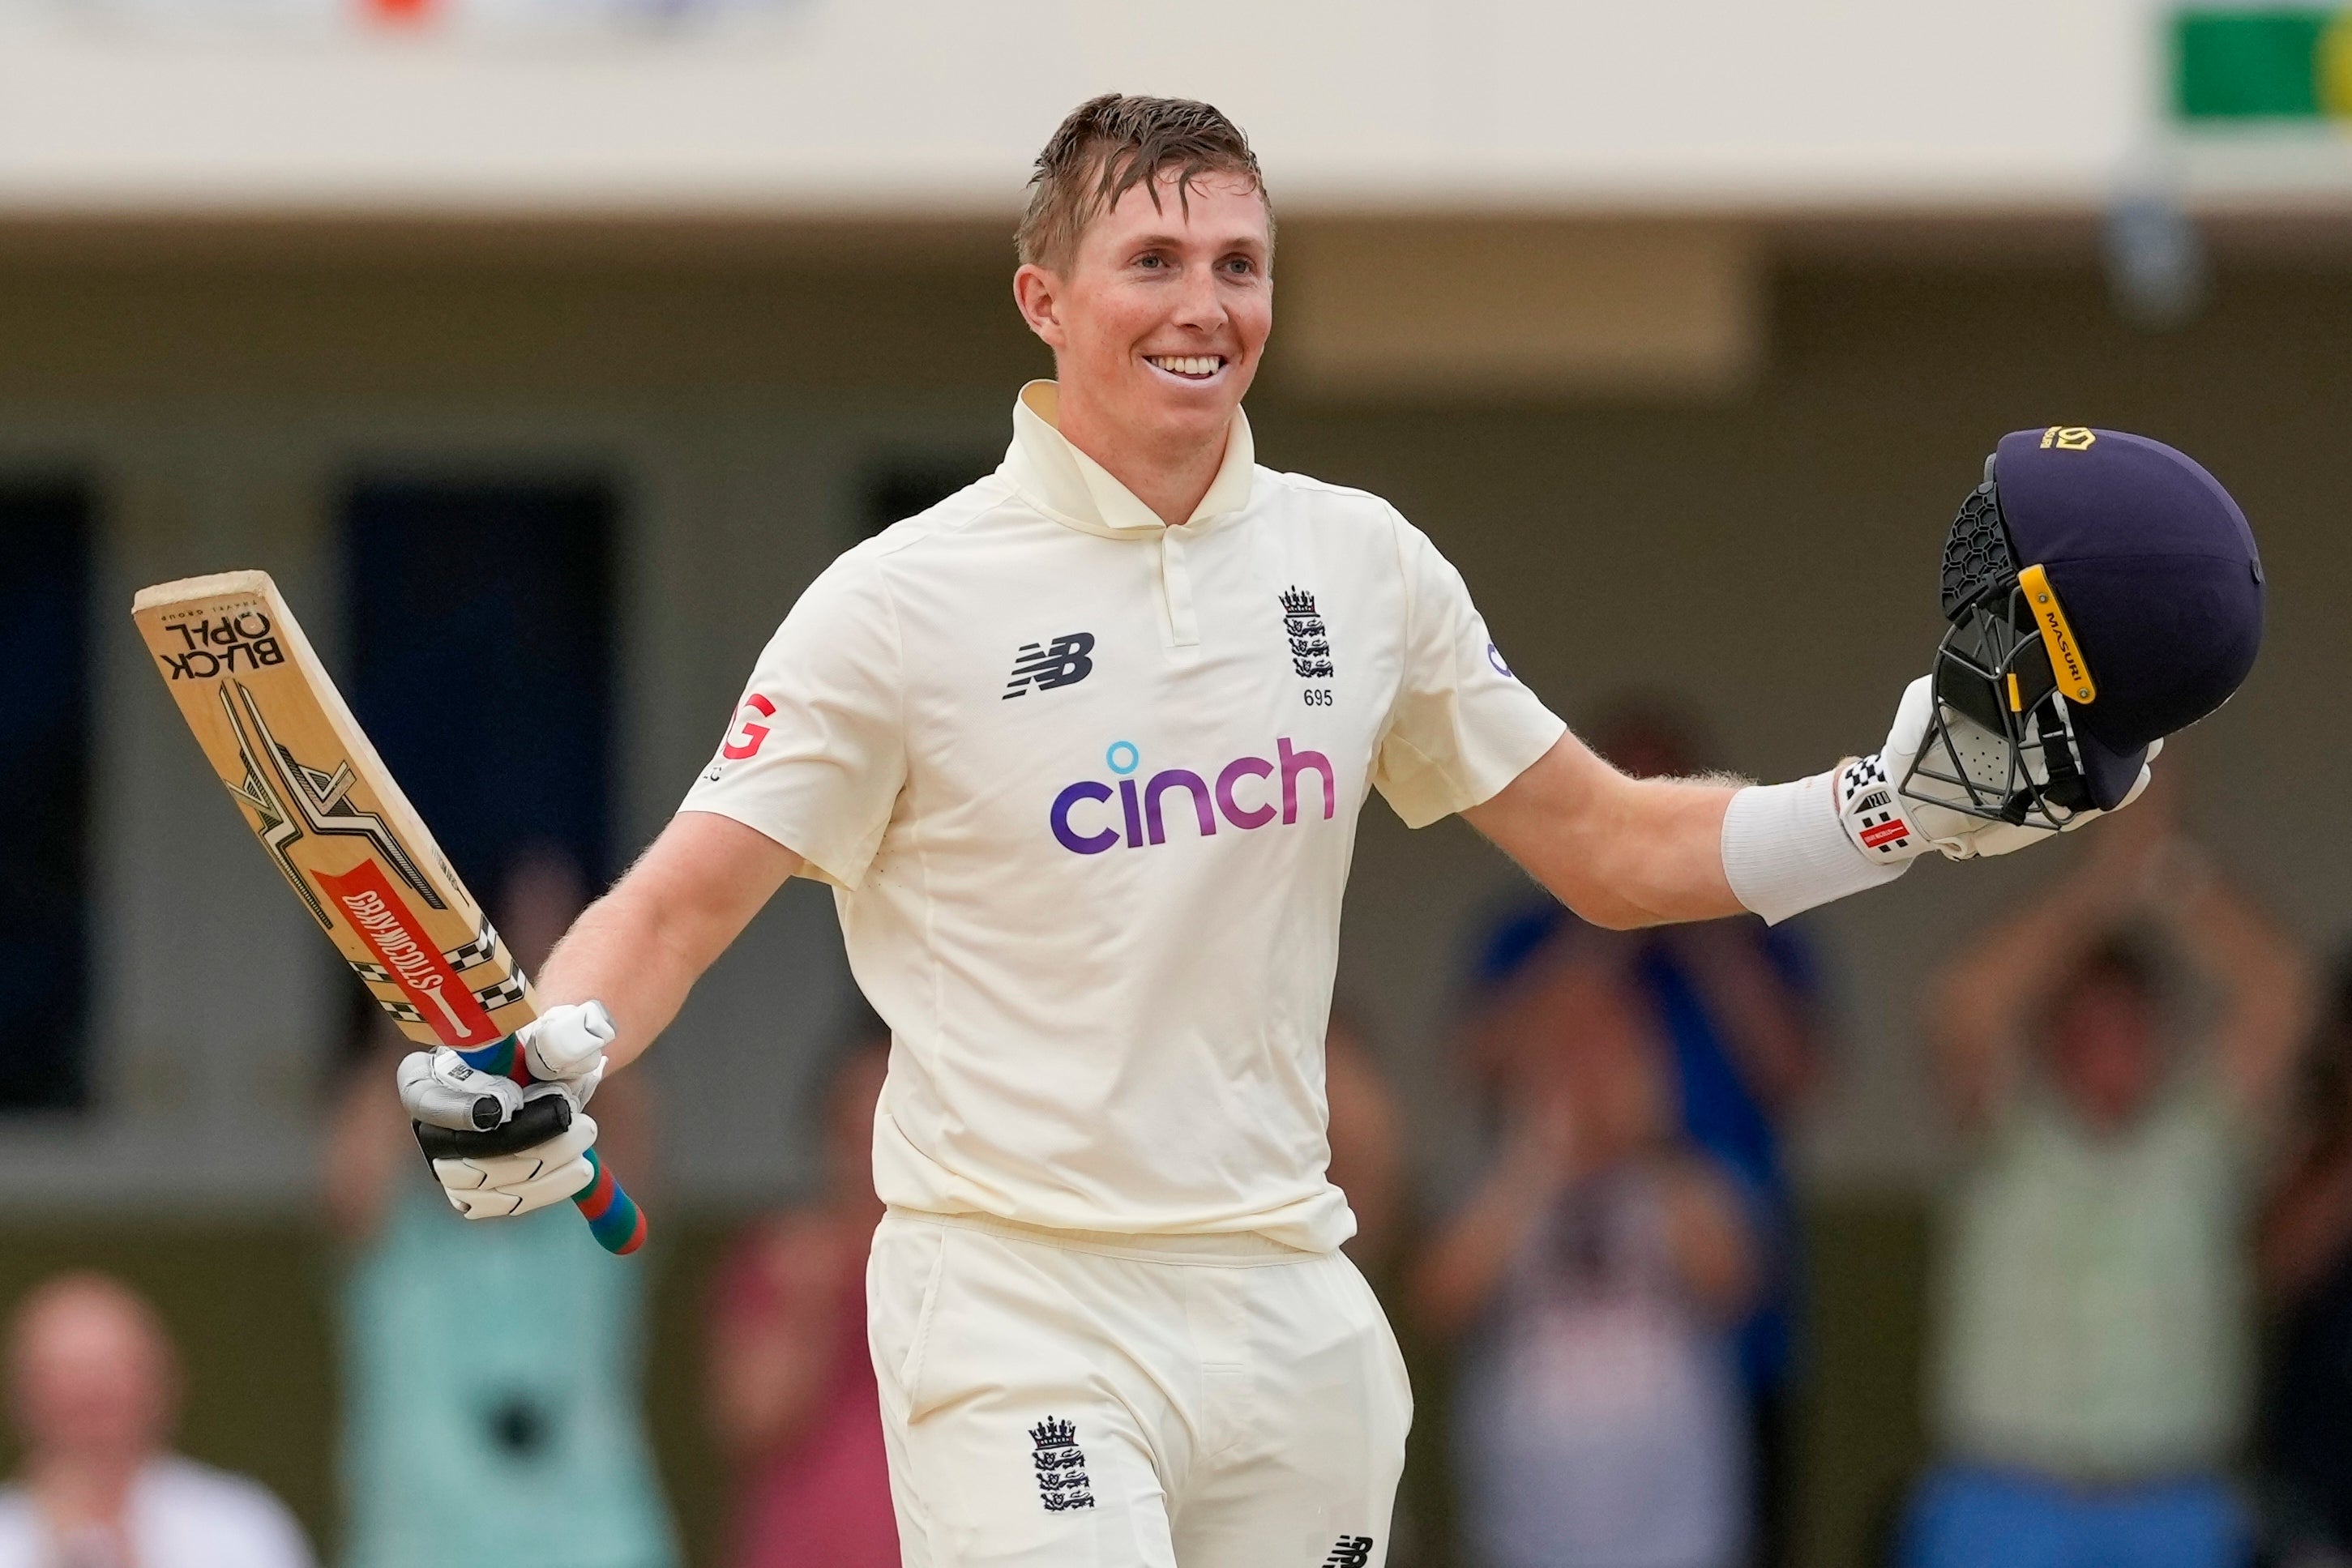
column 745, row 739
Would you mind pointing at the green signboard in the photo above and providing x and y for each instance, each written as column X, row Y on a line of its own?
column 2280, row 62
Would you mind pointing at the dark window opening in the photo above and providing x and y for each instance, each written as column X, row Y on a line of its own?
column 45, row 774
column 484, row 638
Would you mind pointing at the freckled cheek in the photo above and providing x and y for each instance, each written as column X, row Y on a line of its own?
column 1252, row 323
column 1110, row 325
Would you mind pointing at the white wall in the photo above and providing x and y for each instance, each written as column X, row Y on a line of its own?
column 938, row 106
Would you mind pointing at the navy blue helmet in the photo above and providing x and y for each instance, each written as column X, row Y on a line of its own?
column 2103, row 591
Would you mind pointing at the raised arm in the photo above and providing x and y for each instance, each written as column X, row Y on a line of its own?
column 1981, row 1006
column 1620, row 852
column 2262, row 975
column 640, row 948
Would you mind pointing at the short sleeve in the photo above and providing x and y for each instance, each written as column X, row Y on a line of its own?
column 1463, row 726
column 814, row 754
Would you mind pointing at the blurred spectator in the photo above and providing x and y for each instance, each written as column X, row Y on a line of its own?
column 1737, row 1001
column 2094, row 1335
column 2306, row 1271
column 790, row 1383
column 93, row 1386
column 490, row 1370
column 1366, row 1138
column 1596, row 1269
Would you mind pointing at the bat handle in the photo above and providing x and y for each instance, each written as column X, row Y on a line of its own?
column 612, row 1216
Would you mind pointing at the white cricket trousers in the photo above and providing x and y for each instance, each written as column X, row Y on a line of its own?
column 1069, row 1399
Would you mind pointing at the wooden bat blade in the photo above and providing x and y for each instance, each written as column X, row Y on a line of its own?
column 329, row 815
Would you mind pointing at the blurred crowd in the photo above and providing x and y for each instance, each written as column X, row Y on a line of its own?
column 2141, row 1336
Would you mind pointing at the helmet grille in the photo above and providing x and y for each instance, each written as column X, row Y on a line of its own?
column 1977, row 554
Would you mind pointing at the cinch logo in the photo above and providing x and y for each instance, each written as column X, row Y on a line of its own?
column 1143, row 809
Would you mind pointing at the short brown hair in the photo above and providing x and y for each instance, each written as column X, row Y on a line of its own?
column 1109, row 145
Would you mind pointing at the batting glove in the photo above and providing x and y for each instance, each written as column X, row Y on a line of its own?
column 1890, row 819
column 538, row 1157
column 566, row 1045
column 499, row 1149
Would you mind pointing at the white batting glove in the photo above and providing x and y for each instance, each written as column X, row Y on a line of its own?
column 499, row 1149
column 1891, row 821
column 499, row 1186
column 566, row 1045
column 439, row 1090
column 490, row 1168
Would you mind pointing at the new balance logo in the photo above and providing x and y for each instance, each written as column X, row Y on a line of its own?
column 1061, row 1464
column 1064, row 662
column 1310, row 643
column 1354, row 1551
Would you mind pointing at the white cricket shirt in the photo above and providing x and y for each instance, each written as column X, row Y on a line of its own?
column 1087, row 786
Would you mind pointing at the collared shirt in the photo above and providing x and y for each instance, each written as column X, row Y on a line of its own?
column 2097, row 1324
column 1085, row 785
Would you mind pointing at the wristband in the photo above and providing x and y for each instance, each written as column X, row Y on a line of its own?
column 1785, row 851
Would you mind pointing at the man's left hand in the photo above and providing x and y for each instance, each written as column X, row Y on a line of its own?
column 1892, row 814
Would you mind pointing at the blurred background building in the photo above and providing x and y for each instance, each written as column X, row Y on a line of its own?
column 545, row 349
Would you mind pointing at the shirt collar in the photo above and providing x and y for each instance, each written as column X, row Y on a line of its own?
column 1074, row 490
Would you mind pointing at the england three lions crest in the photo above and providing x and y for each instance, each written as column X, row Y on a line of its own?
column 1062, row 1481
column 1310, row 640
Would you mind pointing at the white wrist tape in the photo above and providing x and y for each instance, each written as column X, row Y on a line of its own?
column 1785, row 851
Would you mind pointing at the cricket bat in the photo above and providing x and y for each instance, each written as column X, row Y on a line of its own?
column 336, row 825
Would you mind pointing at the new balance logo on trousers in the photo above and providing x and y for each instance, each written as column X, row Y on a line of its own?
column 1354, row 1551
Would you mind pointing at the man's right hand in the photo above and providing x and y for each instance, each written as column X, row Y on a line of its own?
column 499, row 1149
column 537, row 1158
column 440, row 1090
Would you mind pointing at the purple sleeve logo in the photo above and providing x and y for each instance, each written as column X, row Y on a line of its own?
column 1495, row 657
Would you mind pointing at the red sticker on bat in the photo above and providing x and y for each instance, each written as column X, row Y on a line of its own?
column 396, row 938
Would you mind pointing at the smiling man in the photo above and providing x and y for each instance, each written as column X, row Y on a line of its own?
column 1081, row 750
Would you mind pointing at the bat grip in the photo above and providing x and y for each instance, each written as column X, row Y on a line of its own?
column 612, row 1216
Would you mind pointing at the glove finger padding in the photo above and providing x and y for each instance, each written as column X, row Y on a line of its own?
column 488, row 1186
column 505, row 1203
column 439, row 1090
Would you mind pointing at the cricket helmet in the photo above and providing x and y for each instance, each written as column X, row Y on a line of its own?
column 2103, row 591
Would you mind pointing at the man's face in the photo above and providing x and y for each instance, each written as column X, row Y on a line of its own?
column 90, row 1379
column 2104, row 1051
column 1157, row 322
